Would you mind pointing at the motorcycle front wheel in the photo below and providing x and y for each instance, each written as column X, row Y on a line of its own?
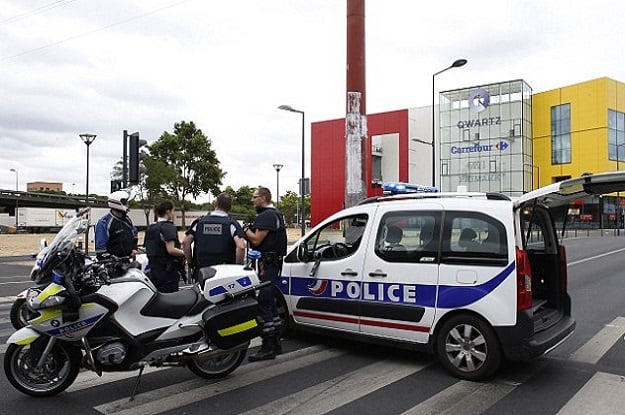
column 219, row 366
column 56, row 374
column 20, row 314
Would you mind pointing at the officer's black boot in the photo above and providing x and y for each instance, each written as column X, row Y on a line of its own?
column 266, row 351
column 277, row 345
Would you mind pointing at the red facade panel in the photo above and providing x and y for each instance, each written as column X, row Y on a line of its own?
column 328, row 159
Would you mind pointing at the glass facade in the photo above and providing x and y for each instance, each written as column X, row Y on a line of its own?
column 486, row 138
column 616, row 135
column 561, row 134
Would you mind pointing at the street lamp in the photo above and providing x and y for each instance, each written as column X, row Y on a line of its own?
column 17, row 189
column 87, row 139
column 278, row 167
column 301, row 185
column 457, row 63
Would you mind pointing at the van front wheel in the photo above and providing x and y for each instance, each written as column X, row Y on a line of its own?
column 468, row 348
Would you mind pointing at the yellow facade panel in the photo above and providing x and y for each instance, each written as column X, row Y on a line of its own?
column 589, row 102
column 541, row 111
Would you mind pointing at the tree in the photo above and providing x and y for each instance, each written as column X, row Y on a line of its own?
column 182, row 164
column 290, row 206
column 242, row 207
column 117, row 172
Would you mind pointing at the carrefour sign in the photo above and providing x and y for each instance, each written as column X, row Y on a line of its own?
column 480, row 148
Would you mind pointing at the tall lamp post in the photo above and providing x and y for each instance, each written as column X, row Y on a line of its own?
column 301, row 185
column 278, row 167
column 17, row 189
column 87, row 139
column 457, row 63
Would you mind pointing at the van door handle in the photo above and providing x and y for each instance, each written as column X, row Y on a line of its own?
column 349, row 273
column 378, row 274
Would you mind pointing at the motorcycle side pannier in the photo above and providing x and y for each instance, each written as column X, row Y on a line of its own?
column 231, row 324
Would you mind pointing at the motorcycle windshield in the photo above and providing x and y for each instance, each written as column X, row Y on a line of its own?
column 49, row 256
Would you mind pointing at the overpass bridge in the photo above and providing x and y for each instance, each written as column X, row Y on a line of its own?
column 9, row 199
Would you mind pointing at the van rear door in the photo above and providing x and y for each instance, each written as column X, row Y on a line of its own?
column 565, row 192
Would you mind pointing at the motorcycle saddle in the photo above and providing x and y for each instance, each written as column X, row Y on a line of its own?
column 171, row 305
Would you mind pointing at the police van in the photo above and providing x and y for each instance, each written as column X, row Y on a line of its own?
column 473, row 277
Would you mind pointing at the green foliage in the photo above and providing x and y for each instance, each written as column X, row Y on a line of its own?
column 117, row 172
column 182, row 164
column 289, row 205
column 242, row 207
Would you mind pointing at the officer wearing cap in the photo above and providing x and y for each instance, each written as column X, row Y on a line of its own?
column 115, row 232
column 216, row 238
column 268, row 235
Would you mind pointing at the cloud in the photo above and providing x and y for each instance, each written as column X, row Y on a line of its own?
column 103, row 66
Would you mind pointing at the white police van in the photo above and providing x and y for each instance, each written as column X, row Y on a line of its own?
column 472, row 277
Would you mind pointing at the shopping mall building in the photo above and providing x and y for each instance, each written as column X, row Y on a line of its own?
column 497, row 137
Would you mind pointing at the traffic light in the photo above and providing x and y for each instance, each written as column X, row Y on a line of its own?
column 116, row 185
column 134, row 157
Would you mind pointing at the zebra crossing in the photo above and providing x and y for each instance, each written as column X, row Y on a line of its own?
column 328, row 378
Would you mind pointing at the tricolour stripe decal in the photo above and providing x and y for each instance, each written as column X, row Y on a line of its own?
column 365, row 322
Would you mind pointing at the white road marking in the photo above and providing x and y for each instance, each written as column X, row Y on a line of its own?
column 604, row 393
column 601, row 342
column 581, row 261
column 334, row 393
column 185, row 393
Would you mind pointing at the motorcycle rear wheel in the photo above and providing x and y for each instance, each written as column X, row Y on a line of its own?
column 57, row 373
column 217, row 367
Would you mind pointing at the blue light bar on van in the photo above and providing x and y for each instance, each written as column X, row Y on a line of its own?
column 398, row 188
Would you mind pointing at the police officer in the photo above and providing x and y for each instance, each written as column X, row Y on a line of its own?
column 163, row 249
column 216, row 238
column 268, row 235
column 114, row 232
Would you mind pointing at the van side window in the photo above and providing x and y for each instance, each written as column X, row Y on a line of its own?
column 474, row 236
column 338, row 239
column 408, row 237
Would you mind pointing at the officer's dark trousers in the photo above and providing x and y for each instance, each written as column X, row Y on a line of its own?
column 268, row 311
column 164, row 280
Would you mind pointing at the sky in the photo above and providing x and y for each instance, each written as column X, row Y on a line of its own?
column 103, row 66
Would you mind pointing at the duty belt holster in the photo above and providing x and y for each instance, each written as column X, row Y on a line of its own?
column 271, row 258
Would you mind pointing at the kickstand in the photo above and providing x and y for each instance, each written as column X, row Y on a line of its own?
column 134, row 390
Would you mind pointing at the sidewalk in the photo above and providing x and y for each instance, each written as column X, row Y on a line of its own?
column 594, row 233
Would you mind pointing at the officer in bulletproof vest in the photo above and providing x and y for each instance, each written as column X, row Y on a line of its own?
column 163, row 249
column 268, row 235
column 216, row 238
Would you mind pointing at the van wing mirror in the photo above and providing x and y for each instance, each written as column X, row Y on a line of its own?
column 302, row 252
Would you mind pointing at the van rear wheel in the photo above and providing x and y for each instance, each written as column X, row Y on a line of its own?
column 468, row 348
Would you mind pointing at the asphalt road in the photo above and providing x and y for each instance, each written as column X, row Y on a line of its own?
column 319, row 375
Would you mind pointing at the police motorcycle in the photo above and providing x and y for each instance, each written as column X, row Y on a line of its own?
column 20, row 313
column 107, row 316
